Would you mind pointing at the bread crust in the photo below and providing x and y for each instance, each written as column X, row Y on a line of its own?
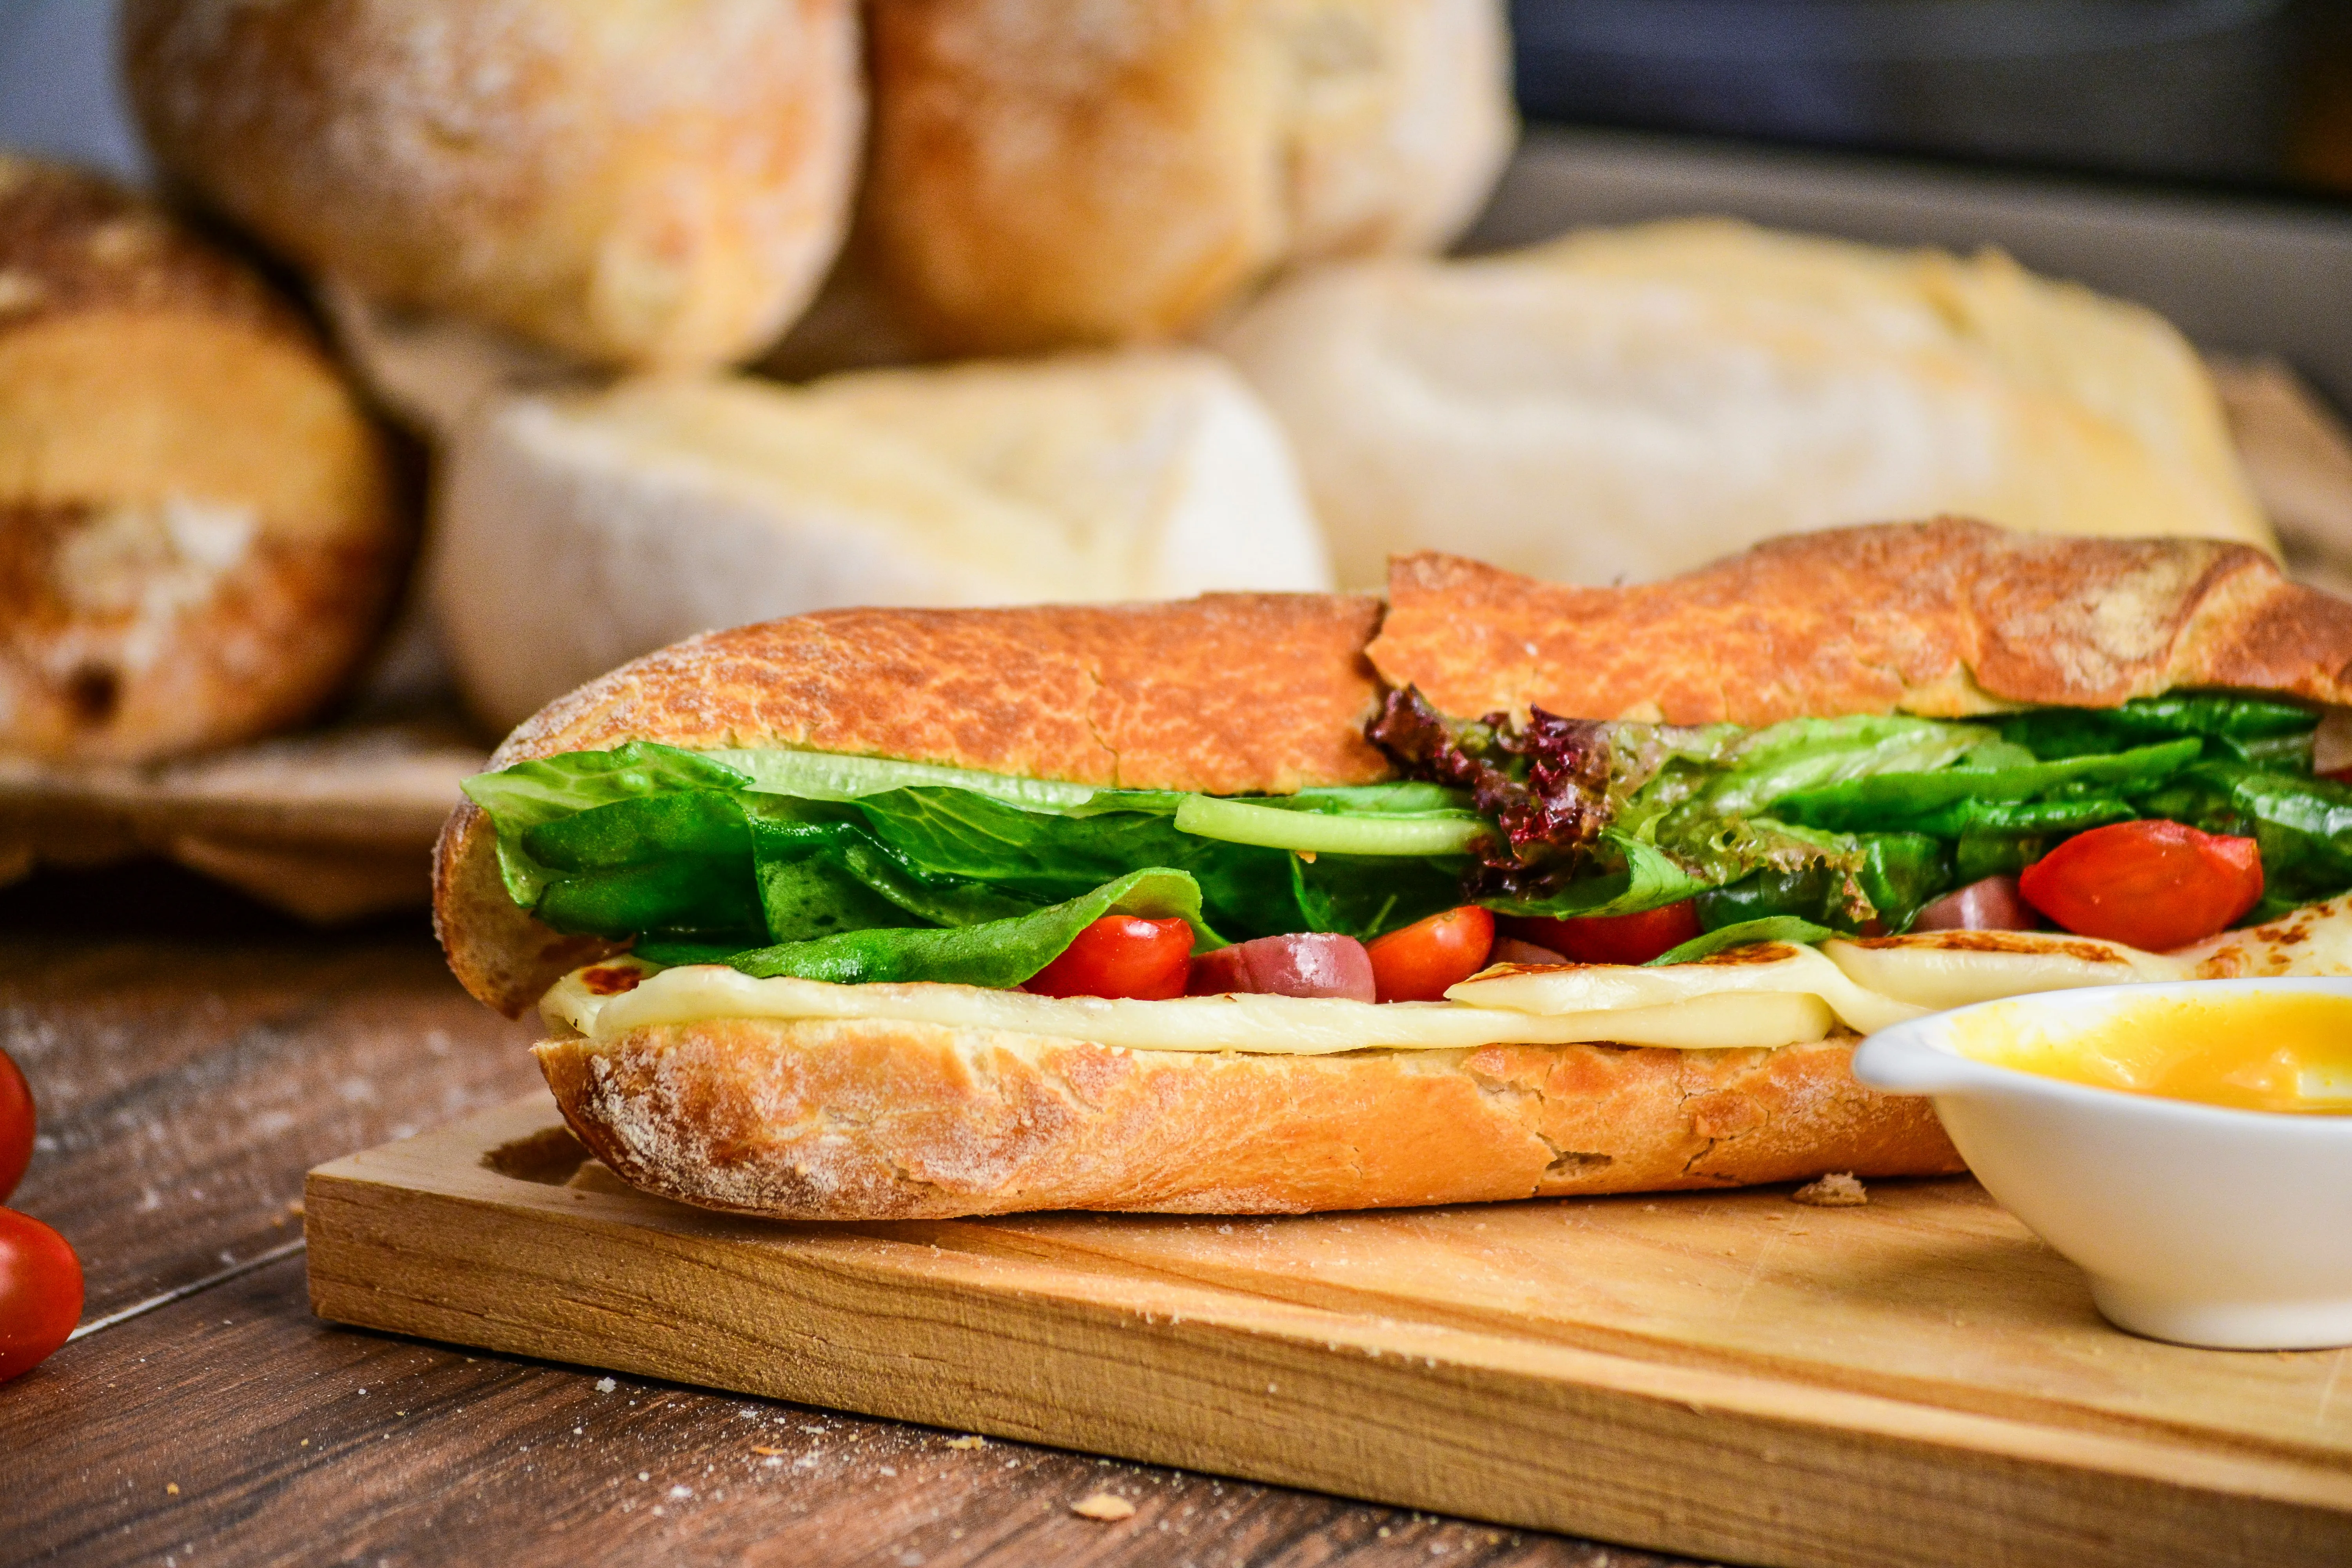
column 198, row 534
column 822, row 1120
column 1944, row 618
column 1040, row 180
column 658, row 185
column 1227, row 694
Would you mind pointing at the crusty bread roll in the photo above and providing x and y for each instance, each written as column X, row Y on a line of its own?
column 576, row 531
column 201, row 538
column 1046, row 176
column 644, row 184
column 1628, row 404
column 877, row 1117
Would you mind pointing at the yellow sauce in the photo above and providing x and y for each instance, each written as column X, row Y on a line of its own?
column 2252, row 1051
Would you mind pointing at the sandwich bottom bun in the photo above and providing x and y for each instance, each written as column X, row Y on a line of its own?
column 873, row 1119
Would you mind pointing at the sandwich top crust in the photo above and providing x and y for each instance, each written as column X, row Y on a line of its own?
column 1228, row 693
column 1943, row 619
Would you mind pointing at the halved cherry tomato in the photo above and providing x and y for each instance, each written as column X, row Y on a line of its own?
column 1614, row 939
column 2152, row 884
column 1418, row 963
column 1120, row 955
column 40, row 1293
column 15, row 1126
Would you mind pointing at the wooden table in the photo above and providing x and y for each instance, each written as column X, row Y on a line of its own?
column 192, row 1057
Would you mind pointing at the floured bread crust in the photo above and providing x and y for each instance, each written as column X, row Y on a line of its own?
column 869, row 1120
column 1944, row 618
column 1227, row 693
column 659, row 185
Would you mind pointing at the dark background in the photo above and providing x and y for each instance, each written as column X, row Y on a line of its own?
column 2244, row 94
column 2251, row 95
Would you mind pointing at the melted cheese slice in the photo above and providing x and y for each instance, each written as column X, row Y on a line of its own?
column 1769, row 994
column 1954, row 968
column 1268, row 1026
column 1766, row 967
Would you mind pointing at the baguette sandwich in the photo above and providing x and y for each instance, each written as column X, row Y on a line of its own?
column 888, row 913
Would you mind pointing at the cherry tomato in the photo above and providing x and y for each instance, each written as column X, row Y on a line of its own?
column 1120, row 955
column 1418, row 963
column 1614, row 939
column 2153, row 885
column 40, row 1293
column 15, row 1126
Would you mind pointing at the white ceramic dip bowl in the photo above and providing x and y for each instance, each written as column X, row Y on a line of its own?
column 2196, row 1224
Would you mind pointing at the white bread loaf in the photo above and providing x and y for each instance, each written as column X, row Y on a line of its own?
column 1046, row 174
column 1633, row 402
column 576, row 531
column 642, row 185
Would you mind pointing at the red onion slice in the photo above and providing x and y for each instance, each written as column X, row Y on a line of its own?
column 1315, row 964
column 1993, row 904
column 1526, row 954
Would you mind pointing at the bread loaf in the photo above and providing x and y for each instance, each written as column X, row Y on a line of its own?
column 1046, row 174
column 200, row 537
column 1630, row 404
column 644, row 185
column 576, row 531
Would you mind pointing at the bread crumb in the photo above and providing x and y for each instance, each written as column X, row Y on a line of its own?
column 173, row 1489
column 1104, row 1507
column 971, row 1440
column 1837, row 1190
column 766, row 1452
column 605, row 1385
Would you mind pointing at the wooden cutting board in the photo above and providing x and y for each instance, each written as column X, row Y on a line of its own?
column 1732, row 1375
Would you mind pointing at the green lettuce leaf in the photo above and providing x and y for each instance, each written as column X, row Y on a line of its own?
column 2265, row 730
column 1900, row 873
column 1364, row 898
column 995, row 953
column 529, row 795
column 1771, row 928
column 1895, row 802
column 1643, row 876
column 1801, row 755
column 827, row 775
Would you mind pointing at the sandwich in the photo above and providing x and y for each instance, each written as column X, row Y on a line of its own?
column 1266, row 903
